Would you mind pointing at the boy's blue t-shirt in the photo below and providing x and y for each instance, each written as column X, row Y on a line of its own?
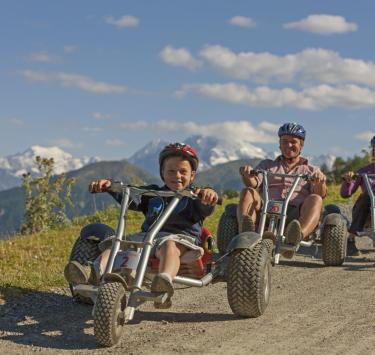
column 187, row 218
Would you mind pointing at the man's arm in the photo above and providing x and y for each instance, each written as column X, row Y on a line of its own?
column 248, row 179
column 319, row 185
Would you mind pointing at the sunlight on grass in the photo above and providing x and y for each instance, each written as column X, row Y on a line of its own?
column 36, row 262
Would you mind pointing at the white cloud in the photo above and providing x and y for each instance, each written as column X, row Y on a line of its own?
column 323, row 24
column 16, row 121
column 312, row 98
column 114, row 142
column 241, row 130
column 43, row 57
column 92, row 129
column 268, row 126
column 70, row 49
column 122, row 22
column 65, row 143
column 313, row 65
column 134, row 126
column 365, row 136
column 242, row 21
column 101, row 116
column 75, row 80
column 179, row 57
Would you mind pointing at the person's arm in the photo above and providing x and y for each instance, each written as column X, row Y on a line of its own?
column 248, row 179
column 206, row 202
column 318, row 184
column 349, row 185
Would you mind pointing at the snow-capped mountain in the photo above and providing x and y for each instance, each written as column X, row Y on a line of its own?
column 13, row 166
column 213, row 151
column 326, row 160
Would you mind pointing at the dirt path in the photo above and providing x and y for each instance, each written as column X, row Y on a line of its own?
column 313, row 310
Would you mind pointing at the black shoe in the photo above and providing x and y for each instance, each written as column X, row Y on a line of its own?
column 351, row 249
column 293, row 236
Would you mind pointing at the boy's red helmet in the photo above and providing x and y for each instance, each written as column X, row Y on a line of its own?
column 179, row 149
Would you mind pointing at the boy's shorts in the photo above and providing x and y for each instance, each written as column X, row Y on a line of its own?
column 194, row 251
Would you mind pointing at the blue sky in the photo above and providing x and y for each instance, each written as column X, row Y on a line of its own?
column 102, row 78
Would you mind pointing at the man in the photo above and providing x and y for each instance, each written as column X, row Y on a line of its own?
column 306, row 202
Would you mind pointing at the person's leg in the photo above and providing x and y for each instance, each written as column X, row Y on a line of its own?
column 248, row 207
column 169, row 255
column 360, row 213
column 310, row 214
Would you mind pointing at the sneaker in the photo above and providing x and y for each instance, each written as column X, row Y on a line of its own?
column 351, row 249
column 163, row 283
column 76, row 273
column 246, row 224
column 293, row 236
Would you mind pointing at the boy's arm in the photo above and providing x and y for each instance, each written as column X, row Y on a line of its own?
column 207, row 200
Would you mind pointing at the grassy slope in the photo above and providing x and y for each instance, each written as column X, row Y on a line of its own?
column 36, row 262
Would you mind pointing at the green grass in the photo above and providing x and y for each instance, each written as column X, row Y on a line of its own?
column 36, row 262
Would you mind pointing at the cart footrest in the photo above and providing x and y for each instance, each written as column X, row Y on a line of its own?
column 157, row 297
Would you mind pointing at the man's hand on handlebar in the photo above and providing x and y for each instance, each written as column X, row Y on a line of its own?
column 100, row 185
column 207, row 196
column 248, row 176
column 318, row 178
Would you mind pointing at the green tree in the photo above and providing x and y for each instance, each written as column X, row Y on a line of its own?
column 46, row 197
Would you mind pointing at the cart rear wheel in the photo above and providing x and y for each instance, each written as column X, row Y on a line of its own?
column 227, row 228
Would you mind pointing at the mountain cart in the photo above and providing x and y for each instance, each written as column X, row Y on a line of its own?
column 330, row 234
column 131, row 267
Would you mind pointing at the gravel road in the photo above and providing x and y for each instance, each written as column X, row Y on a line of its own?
column 313, row 310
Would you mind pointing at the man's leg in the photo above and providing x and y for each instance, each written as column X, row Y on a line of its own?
column 310, row 214
column 249, row 206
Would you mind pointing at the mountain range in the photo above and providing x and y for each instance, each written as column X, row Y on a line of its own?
column 13, row 166
column 212, row 152
column 219, row 164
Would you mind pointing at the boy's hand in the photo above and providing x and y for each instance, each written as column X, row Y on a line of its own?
column 99, row 185
column 207, row 196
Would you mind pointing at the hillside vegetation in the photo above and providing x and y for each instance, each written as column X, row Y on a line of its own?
column 36, row 261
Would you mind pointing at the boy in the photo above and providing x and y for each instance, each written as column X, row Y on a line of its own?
column 178, row 164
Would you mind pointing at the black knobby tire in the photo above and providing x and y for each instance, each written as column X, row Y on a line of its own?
column 249, row 281
column 109, row 313
column 83, row 251
column 268, row 243
column 227, row 228
column 334, row 241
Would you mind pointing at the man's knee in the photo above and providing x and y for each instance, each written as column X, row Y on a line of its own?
column 315, row 200
column 248, row 192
